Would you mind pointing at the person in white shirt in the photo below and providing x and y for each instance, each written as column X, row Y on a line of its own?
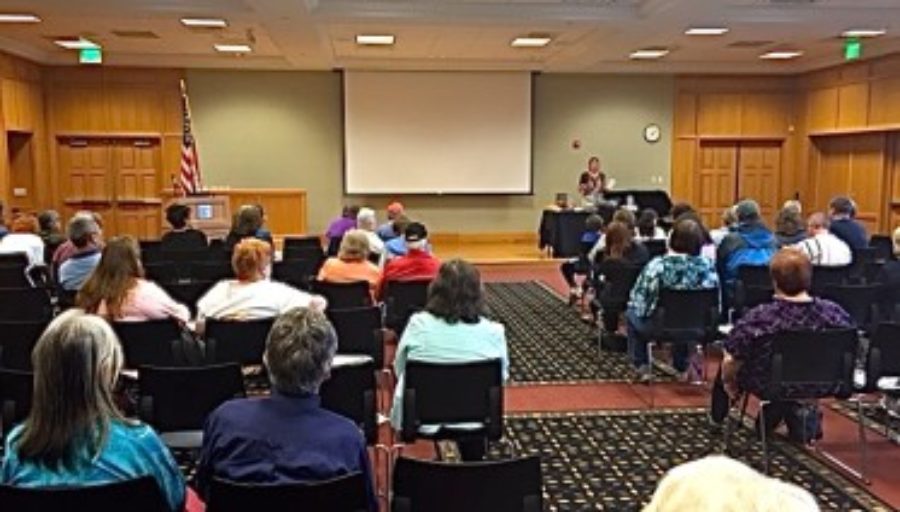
column 23, row 238
column 823, row 248
column 368, row 223
column 252, row 295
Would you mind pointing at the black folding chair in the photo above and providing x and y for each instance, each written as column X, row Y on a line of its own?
column 684, row 317
column 163, row 272
column 237, row 341
column 859, row 300
column 883, row 362
column 141, row 495
column 823, row 277
column 16, row 390
column 862, row 258
column 150, row 342
column 359, row 331
column 315, row 255
column 883, row 245
column 176, row 401
column 14, row 259
column 188, row 293
column 334, row 245
column 343, row 494
column 443, row 394
column 14, row 277
column 502, row 486
column 809, row 365
column 655, row 247
column 302, row 242
column 351, row 392
column 25, row 305
column 211, row 271
column 614, row 283
column 151, row 251
column 402, row 299
column 17, row 342
column 297, row 273
column 344, row 295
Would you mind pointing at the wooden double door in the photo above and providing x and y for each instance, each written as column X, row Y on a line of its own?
column 117, row 177
column 730, row 171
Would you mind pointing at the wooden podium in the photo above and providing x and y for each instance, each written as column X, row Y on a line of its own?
column 210, row 213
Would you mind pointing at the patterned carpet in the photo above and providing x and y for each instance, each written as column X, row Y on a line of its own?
column 875, row 418
column 612, row 461
column 547, row 340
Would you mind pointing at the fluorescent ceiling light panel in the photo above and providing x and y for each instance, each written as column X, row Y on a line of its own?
column 19, row 18
column 781, row 55
column 204, row 22
column 77, row 44
column 233, row 48
column 530, row 42
column 649, row 54
column 706, row 31
column 864, row 32
column 375, row 39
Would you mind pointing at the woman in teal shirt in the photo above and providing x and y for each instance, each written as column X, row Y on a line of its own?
column 74, row 435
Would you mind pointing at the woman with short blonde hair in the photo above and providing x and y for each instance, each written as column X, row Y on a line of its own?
column 74, row 434
column 352, row 264
column 23, row 237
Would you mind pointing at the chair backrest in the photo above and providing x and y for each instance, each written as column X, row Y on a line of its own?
column 343, row 494
column 334, row 245
column 163, row 272
column 148, row 343
column 655, row 247
column 211, row 270
column 748, row 297
column 314, row 255
column 862, row 257
column 14, row 259
column 297, row 273
column 754, row 275
column 813, row 359
column 186, row 257
column 884, row 354
column 17, row 341
column 351, row 392
column 182, row 398
column 359, row 332
column 302, row 242
column 858, row 300
column 139, row 495
column 688, row 315
column 436, row 393
column 16, row 390
column 13, row 276
column 499, row 486
column 188, row 293
column 25, row 304
column 344, row 295
column 618, row 279
column 823, row 277
column 237, row 341
column 883, row 245
column 402, row 299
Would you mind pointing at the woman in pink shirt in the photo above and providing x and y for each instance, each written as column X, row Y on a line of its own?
column 352, row 263
column 117, row 290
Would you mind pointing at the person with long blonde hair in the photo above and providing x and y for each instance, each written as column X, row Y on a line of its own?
column 74, row 434
column 117, row 290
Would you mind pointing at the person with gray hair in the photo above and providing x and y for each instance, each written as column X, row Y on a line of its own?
column 749, row 244
column 368, row 224
column 287, row 437
column 82, row 232
column 823, row 248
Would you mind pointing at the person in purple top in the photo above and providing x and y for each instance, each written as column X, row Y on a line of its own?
column 344, row 223
column 748, row 349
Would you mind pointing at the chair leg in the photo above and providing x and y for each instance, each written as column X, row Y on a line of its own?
column 650, row 346
column 863, row 444
column 762, row 433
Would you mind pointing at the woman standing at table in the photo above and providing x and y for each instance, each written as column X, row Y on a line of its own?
column 592, row 183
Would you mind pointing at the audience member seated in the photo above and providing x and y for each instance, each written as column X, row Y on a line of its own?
column 23, row 237
column 396, row 246
column 683, row 268
column 286, row 437
column 621, row 245
column 182, row 237
column 50, row 233
column 844, row 224
column 117, row 290
column 822, row 247
column 366, row 222
column 593, row 231
column 351, row 263
column 708, row 248
column 67, row 248
column 339, row 226
column 621, row 215
column 751, row 243
column 386, row 230
column 83, row 232
column 252, row 295
column 748, row 351
column 729, row 221
column 647, row 228
column 247, row 223
column 452, row 329
column 263, row 232
column 74, row 435
column 717, row 483
column 418, row 264
column 790, row 228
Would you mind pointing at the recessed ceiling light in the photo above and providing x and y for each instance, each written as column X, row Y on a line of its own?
column 530, row 42
column 19, row 18
column 781, row 55
column 649, row 54
column 864, row 32
column 233, row 48
column 204, row 22
column 375, row 39
column 77, row 44
column 706, row 31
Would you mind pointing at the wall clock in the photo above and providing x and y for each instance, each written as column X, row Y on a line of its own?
column 652, row 133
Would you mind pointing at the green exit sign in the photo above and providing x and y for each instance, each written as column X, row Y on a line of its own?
column 90, row 56
column 852, row 48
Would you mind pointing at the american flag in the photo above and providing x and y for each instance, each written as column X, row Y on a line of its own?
column 190, row 178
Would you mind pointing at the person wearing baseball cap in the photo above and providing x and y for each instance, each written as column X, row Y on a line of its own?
column 386, row 230
column 418, row 264
column 750, row 243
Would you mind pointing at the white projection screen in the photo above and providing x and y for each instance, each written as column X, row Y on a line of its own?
column 441, row 132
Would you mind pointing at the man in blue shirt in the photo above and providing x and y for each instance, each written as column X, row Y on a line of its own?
column 83, row 232
column 844, row 226
column 287, row 437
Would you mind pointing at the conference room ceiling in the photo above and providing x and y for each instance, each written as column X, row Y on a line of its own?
column 587, row 35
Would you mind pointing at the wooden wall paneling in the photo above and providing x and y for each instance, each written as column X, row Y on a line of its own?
column 853, row 105
column 685, row 114
column 136, row 167
column 822, row 109
column 758, row 174
column 884, row 104
column 867, row 178
column 134, row 108
column 285, row 208
column 832, row 164
column 765, row 114
column 21, row 148
column 85, row 175
column 683, row 166
column 719, row 114
column 716, row 165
